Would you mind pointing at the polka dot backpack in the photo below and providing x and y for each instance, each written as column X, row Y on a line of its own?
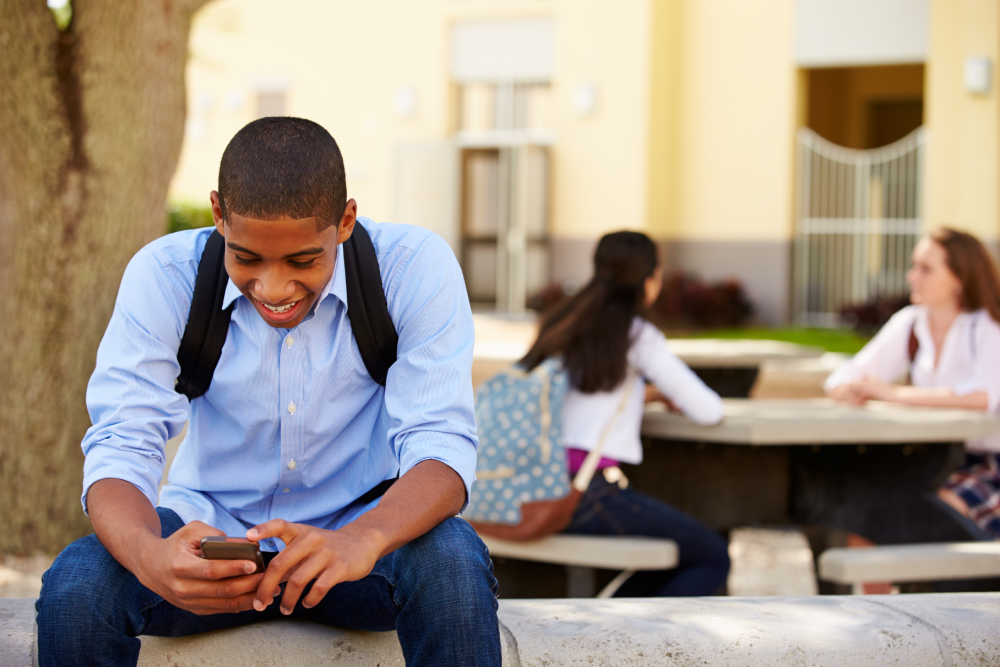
column 521, row 453
column 522, row 489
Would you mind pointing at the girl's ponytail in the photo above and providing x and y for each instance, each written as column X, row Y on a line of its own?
column 591, row 330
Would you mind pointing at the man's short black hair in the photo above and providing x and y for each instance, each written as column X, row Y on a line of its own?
column 283, row 166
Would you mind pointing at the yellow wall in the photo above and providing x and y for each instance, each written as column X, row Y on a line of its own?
column 343, row 60
column 963, row 169
column 736, row 92
column 600, row 160
column 666, row 23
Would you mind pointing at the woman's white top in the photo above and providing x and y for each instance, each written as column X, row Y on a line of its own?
column 586, row 416
column 969, row 363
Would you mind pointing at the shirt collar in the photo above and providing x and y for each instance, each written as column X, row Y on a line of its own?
column 337, row 285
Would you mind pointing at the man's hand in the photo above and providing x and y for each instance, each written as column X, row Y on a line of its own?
column 129, row 528
column 426, row 495
column 174, row 569
column 328, row 556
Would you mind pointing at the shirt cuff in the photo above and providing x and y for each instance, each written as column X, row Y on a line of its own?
column 141, row 470
column 454, row 451
column 992, row 397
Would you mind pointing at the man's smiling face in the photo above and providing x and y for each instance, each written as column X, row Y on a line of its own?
column 281, row 266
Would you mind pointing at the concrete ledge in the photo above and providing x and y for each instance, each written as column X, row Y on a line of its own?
column 954, row 630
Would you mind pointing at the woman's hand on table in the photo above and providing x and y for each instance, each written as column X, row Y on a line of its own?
column 858, row 392
column 653, row 395
column 870, row 388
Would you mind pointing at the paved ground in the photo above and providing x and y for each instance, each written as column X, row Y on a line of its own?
column 22, row 577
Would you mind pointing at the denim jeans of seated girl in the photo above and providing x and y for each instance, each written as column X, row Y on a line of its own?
column 437, row 592
column 703, row 556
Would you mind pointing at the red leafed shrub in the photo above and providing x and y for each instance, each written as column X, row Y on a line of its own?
column 549, row 296
column 869, row 317
column 687, row 302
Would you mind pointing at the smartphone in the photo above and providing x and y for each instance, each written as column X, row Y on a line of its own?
column 232, row 548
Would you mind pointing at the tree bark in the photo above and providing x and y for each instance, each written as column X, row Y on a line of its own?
column 91, row 123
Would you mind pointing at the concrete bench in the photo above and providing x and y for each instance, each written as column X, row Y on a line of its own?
column 820, row 631
column 581, row 554
column 910, row 562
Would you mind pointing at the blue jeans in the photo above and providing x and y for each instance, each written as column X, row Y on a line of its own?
column 703, row 560
column 437, row 592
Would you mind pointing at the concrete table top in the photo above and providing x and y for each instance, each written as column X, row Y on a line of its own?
column 724, row 353
column 821, row 421
column 500, row 339
column 695, row 352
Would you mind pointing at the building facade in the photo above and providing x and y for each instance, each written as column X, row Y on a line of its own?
column 522, row 130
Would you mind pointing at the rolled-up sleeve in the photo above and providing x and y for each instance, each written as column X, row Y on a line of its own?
column 428, row 392
column 886, row 356
column 131, row 399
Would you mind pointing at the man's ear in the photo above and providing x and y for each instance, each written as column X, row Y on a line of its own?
column 346, row 227
column 220, row 224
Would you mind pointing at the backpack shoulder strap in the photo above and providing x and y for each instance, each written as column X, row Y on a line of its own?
column 366, row 305
column 208, row 324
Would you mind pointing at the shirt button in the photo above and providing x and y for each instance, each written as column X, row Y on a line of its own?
column 292, row 464
column 289, row 341
column 285, row 490
column 292, row 408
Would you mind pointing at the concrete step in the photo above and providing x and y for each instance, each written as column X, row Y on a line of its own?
column 610, row 553
column 911, row 562
column 957, row 630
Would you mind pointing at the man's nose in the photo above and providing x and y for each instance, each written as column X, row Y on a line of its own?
column 273, row 288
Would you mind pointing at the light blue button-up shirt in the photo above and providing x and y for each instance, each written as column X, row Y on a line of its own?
column 292, row 427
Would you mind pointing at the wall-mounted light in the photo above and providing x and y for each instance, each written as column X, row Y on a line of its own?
column 978, row 75
column 585, row 99
column 405, row 102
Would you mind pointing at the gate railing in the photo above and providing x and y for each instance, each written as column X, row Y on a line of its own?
column 859, row 216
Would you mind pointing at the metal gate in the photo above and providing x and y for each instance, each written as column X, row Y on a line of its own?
column 859, row 216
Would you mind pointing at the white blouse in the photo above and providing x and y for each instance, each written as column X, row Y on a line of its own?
column 969, row 363
column 586, row 416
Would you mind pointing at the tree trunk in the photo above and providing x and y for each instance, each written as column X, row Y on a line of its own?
column 91, row 123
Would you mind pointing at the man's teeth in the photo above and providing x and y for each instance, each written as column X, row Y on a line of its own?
column 279, row 309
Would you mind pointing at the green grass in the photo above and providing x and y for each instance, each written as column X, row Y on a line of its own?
column 182, row 216
column 831, row 340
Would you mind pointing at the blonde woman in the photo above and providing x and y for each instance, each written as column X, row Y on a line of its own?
column 949, row 340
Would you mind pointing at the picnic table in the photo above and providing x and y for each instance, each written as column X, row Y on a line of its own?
column 813, row 462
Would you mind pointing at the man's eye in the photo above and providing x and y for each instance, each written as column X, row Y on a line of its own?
column 302, row 265
column 244, row 261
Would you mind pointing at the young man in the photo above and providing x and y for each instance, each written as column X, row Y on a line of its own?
column 290, row 435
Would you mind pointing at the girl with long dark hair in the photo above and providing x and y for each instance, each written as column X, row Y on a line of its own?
column 949, row 340
column 606, row 345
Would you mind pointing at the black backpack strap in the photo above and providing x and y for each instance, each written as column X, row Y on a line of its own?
column 208, row 324
column 366, row 305
column 377, row 491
